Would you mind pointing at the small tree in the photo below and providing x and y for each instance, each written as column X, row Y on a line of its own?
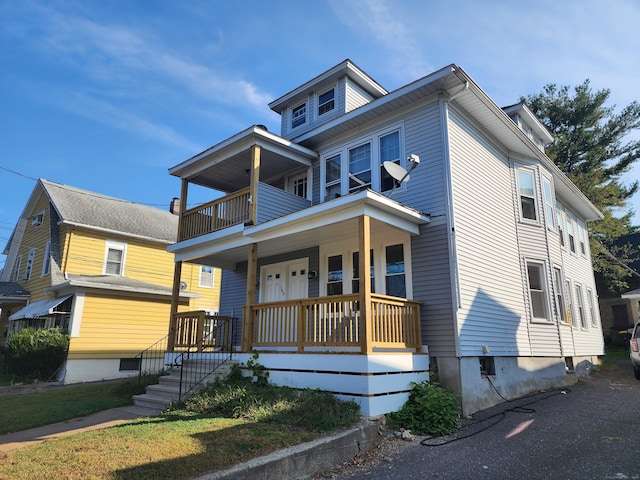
column 36, row 353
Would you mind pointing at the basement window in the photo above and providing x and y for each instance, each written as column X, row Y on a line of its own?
column 128, row 364
column 487, row 366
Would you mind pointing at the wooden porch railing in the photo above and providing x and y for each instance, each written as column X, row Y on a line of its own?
column 335, row 321
column 225, row 212
column 195, row 328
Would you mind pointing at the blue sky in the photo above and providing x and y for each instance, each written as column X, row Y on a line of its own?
column 106, row 95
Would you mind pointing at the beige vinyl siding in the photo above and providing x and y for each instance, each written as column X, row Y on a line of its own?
column 354, row 96
column 430, row 250
column 491, row 309
column 119, row 327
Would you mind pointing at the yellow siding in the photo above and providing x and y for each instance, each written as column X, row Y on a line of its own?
column 210, row 296
column 119, row 327
column 35, row 237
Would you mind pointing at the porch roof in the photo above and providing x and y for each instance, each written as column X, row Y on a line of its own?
column 39, row 308
column 326, row 222
column 225, row 166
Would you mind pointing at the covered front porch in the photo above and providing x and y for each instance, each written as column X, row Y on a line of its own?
column 292, row 271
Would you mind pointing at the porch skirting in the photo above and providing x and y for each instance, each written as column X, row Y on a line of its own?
column 379, row 383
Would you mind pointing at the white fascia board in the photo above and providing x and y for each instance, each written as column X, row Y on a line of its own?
column 379, row 102
column 240, row 142
column 562, row 183
column 344, row 208
column 228, row 235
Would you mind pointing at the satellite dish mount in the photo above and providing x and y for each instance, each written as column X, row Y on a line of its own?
column 399, row 174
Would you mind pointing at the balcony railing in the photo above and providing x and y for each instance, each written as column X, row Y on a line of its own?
column 336, row 322
column 225, row 212
column 196, row 328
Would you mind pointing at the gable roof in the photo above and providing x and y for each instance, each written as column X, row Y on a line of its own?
column 112, row 215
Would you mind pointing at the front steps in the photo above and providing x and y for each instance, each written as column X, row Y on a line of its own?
column 162, row 395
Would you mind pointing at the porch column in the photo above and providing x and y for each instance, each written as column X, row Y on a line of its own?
column 247, row 317
column 175, row 298
column 253, row 182
column 366, row 334
column 184, row 191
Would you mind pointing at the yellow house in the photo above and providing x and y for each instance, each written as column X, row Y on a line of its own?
column 98, row 268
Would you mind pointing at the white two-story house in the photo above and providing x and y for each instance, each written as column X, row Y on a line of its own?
column 477, row 259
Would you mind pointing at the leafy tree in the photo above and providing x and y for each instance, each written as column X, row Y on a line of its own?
column 593, row 149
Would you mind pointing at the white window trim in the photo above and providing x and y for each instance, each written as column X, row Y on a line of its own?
column 113, row 245
column 46, row 260
column 545, row 286
column 592, row 307
column 580, row 306
column 343, row 151
column 29, row 267
column 16, row 273
column 306, row 115
column 316, row 98
column 560, row 286
column 536, row 197
column 37, row 219
column 213, row 277
column 551, row 222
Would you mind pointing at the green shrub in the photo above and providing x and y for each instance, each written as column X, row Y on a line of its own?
column 36, row 353
column 430, row 410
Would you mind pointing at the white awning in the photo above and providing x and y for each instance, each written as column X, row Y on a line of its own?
column 40, row 308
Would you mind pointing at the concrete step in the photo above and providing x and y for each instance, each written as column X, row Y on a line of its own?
column 151, row 401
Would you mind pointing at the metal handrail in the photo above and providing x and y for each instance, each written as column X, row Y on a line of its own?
column 153, row 358
column 219, row 343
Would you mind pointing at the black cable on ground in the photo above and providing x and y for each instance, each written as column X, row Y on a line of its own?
column 460, row 434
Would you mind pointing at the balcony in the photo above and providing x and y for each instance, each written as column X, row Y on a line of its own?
column 235, row 209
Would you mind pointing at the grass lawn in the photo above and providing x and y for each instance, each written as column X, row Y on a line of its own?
column 166, row 447
column 29, row 410
column 229, row 423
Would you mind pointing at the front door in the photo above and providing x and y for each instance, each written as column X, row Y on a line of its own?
column 284, row 281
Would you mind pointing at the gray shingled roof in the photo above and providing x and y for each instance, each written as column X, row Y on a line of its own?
column 12, row 289
column 91, row 209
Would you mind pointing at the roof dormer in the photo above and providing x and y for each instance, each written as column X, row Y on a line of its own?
column 335, row 92
column 529, row 124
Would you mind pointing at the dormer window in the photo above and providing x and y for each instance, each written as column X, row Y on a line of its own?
column 299, row 115
column 326, row 101
column 37, row 219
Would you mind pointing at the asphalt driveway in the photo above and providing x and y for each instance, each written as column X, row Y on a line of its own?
column 587, row 432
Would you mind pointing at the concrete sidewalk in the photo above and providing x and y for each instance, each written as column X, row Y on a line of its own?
column 103, row 419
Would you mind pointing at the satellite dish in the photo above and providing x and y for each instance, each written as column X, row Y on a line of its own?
column 399, row 174
column 396, row 171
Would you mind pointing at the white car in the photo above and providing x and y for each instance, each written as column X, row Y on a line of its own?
column 634, row 350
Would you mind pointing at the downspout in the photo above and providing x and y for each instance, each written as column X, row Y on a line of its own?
column 453, row 260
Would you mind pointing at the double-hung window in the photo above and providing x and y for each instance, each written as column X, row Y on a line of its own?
column 46, row 261
column 389, row 152
column 27, row 272
column 580, row 307
column 334, row 275
column 299, row 115
column 548, row 203
column 558, row 289
column 359, row 167
column 569, row 296
column 206, row 276
column 526, row 187
column 16, row 272
column 582, row 229
column 537, row 291
column 592, row 310
column 570, row 233
column 333, row 169
column 560, row 227
column 114, row 258
column 326, row 101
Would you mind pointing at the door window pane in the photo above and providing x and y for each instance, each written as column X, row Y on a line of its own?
column 395, row 273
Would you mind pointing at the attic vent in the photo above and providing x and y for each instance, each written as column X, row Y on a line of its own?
column 37, row 219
